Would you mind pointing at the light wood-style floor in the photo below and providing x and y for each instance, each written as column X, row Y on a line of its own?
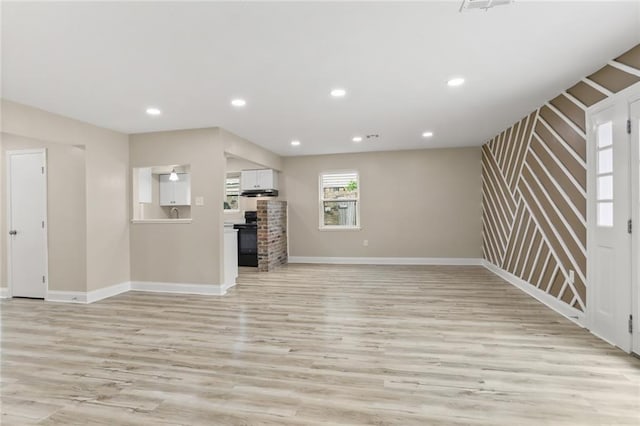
column 314, row 345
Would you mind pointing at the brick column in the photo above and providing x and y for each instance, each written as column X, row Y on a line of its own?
column 272, row 234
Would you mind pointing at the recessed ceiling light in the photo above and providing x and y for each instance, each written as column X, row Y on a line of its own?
column 295, row 143
column 238, row 102
column 338, row 93
column 357, row 139
column 427, row 134
column 153, row 111
column 458, row 81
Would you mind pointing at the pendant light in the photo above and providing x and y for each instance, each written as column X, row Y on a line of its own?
column 173, row 177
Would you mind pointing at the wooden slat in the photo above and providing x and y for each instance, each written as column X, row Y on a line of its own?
column 586, row 94
column 533, row 252
column 570, row 110
column 548, row 189
column 558, row 175
column 540, row 172
column 613, row 79
column 547, row 278
column 557, row 284
column 517, row 147
column 498, row 179
column 631, row 57
column 523, row 151
column 568, row 135
column 537, row 272
column 537, row 211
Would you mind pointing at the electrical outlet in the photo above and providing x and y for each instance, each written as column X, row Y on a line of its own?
column 365, row 243
column 572, row 276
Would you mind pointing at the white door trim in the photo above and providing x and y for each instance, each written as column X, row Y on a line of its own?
column 634, row 116
column 9, row 154
column 624, row 97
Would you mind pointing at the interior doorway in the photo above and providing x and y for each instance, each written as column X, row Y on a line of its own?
column 27, row 223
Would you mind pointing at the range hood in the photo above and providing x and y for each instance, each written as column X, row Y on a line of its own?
column 260, row 193
column 259, row 183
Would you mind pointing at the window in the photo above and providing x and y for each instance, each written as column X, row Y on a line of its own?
column 232, row 192
column 339, row 200
column 604, row 174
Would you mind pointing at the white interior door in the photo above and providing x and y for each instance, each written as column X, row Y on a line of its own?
column 635, row 167
column 27, row 205
column 609, row 212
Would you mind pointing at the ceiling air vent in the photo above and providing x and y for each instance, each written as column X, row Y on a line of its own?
column 483, row 4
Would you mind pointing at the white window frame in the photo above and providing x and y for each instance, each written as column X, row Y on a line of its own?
column 226, row 176
column 321, row 200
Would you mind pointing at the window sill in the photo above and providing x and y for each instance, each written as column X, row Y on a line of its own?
column 339, row 228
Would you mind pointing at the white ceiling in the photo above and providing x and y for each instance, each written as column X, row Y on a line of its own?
column 104, row 63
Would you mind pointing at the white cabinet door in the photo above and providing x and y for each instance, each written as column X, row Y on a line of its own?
column 248, row 180
column 182, row 190
column 145, row 185
column 176, row 193
column 264, row 179
column 166, row 191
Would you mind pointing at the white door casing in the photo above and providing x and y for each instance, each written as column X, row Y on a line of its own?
column 27, row 223
column 609, row 244
column 634, row 118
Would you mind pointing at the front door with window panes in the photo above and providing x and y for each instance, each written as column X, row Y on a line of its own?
column 609, row 274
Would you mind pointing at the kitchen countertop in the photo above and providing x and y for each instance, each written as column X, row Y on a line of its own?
column 173, row 221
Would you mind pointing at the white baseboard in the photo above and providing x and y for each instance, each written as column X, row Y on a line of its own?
column 114, row 290
column 66, row 296
column 103, row 293
column 563, row 309
column 387, row 260
column 183, row 288
column 227, row 286
column 4, row 292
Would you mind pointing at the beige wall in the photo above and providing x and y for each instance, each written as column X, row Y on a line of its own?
column 66, row 228
column 107, row 181
column 182, row 253
column 423, row 203
column 238, row 147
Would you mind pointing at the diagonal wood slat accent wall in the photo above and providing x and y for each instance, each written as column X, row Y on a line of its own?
column 534, row 182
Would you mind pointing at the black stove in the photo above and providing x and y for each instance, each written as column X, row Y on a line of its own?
column 248, row 239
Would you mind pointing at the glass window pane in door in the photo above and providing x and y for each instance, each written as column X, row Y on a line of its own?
column 605, row 187
column 605, row 134
column 605, row 161
column 605, row 214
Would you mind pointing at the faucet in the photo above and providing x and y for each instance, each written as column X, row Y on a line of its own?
column 175, row 209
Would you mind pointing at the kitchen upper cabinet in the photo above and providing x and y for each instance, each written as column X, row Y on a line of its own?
column 145, row 185
column 175, row 193
column 259, row 179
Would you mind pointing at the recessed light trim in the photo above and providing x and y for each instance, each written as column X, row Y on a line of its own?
column 357, row 139
column 427, row 134
column 338, row 93
column 455, row 82
column 295, row 143
column 238, row 102
column 153, row 111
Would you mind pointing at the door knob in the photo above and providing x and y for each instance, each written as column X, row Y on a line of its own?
column 13, row 232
